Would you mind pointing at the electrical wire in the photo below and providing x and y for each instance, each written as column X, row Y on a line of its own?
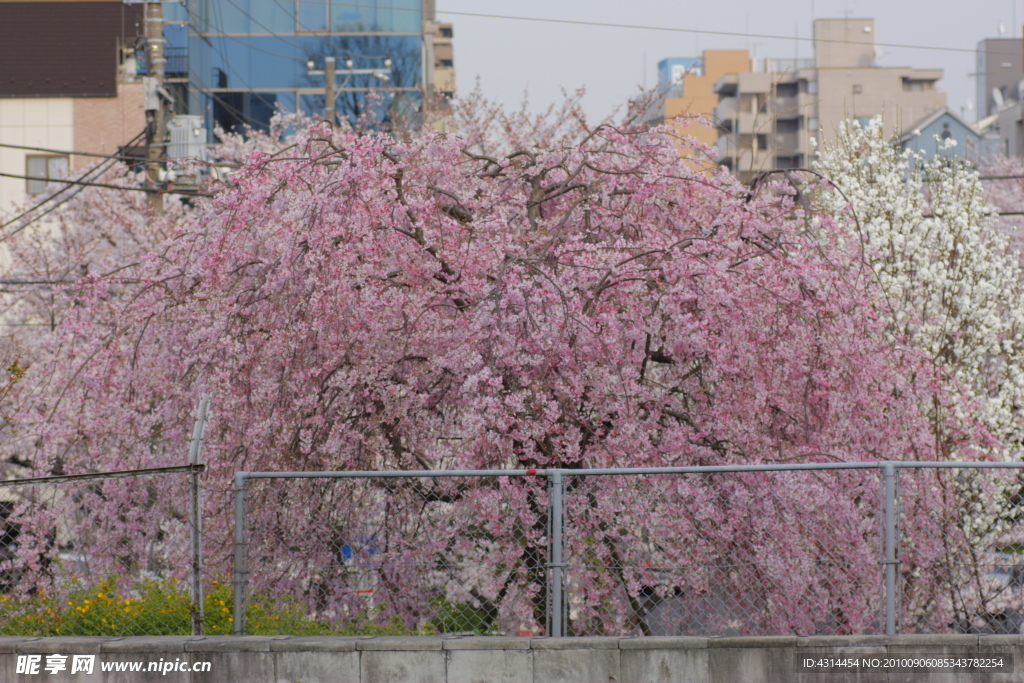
column 78, row 182
column 737, row 34
column 117, row 157
column 92, row 172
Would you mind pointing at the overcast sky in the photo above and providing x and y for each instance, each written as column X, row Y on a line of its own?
column 511, row 56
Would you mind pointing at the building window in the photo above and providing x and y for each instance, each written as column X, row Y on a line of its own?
column 41, row 167
column 917, row 84
column 787, row 161
column 762, row 141
column 787, row 89
column 314, row 16
column 857, row 89
column 787, row 125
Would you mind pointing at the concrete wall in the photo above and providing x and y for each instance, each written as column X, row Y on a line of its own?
column 880, row 93
column 844, row 42
column 291, row 659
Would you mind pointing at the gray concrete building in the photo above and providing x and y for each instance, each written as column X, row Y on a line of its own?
column 998, row 69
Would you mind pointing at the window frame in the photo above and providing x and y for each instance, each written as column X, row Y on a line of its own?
column 46, row 182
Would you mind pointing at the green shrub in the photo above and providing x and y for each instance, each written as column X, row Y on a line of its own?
column 457, row 617
column 163, row 608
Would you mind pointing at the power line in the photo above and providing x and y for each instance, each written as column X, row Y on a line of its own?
column 79, row 182
column 94, row 172
column 736, row 34
column 117, row 157
column 74, row 193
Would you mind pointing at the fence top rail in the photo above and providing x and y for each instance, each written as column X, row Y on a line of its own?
column 702, row 469
column 123, row 474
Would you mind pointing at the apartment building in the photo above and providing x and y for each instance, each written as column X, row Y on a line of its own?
column 444, row 61
column 999, row 69
column 687, row 88
column 768, row 116
column 1000, row 91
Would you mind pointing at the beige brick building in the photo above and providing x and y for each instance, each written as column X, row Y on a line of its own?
column 88, row 104
column 100, row 125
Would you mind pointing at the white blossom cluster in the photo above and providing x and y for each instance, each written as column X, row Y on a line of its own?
column 953, row 283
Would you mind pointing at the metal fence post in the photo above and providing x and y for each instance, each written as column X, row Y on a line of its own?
column 555, row 563
column 196, row 516
column 241, row 569
column 890, row 475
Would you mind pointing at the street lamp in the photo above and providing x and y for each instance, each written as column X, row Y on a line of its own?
column 330, row 73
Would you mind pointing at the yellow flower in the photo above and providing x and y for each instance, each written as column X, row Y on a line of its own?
column 100, row 596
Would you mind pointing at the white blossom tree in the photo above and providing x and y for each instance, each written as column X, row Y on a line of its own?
column 952, row 282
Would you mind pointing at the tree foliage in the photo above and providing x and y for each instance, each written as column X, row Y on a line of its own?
column 952, row 285
column 358, row 302
column 952, row 288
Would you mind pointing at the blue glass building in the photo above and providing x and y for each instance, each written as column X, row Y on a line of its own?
column 236, row 61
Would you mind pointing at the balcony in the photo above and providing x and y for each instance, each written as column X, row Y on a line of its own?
column 726, row 110
column 175, row 66
column 177, row 62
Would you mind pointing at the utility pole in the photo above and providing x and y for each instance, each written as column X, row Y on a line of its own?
column 155, row 62
column 430, row 27
column 330, row 73
column 330, row 91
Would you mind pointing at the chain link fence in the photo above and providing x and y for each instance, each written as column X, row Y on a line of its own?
column 737, row 550
column 722, row 553
column 392, row 554
column 98, row 554
column 960, row 550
